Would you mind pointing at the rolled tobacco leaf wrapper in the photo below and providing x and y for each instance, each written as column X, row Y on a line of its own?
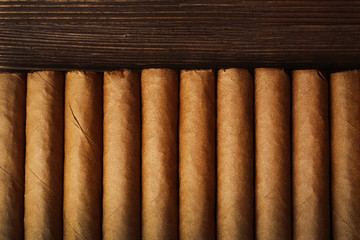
column 235, row 154
column 272, row 154
column 83, row 155
column 311, row 155
column 345, row 154
column 197, row 145
column 122, row 155
column 44, row 155
column 12, row 154
column 160, row 100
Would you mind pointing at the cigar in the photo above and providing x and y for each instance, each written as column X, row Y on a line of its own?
column 83, row 155
column 122, row 149
column 44, row 155
column 345, row 154
column 12, row 154
column 197, row 172
column 160, row 99
column 310, row 163
column 235, row 154
column 272, row 154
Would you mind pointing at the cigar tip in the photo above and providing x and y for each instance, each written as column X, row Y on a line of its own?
column 233, row 69
column 158, row 70
column 119, row 73
column 11, row 74
column 159, row 74
column 348, row 72
column 196, row 70
column 308, row 74
column 86, row 75
column 46, row 74
column 270, row 73
column 44, row 71
column 304, row 70
column 261, row 69
column 80, row 72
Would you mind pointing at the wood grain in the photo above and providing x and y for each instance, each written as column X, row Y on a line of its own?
column 65, row 35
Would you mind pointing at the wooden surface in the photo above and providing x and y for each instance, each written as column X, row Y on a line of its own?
column 179, row 34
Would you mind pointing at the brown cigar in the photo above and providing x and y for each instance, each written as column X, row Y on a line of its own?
column 83, row 155
column 44, row 155
column 272, row 152
column 12, row 155
column 197, row 167
column 235, row 154
column 122, row 149
column 159, row 96
column 310, row 141
column 345, row 154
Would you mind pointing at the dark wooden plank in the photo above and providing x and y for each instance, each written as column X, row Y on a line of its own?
column 179, row 34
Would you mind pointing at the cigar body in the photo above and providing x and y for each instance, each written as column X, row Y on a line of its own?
column 345, row 154
column 12, row 154
column 235, row 154
column 310, row 141
column 122, row 150
column 197, row 132
column 44, row 155
column 83, row 155
column 160, row 99
column 272, row 153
